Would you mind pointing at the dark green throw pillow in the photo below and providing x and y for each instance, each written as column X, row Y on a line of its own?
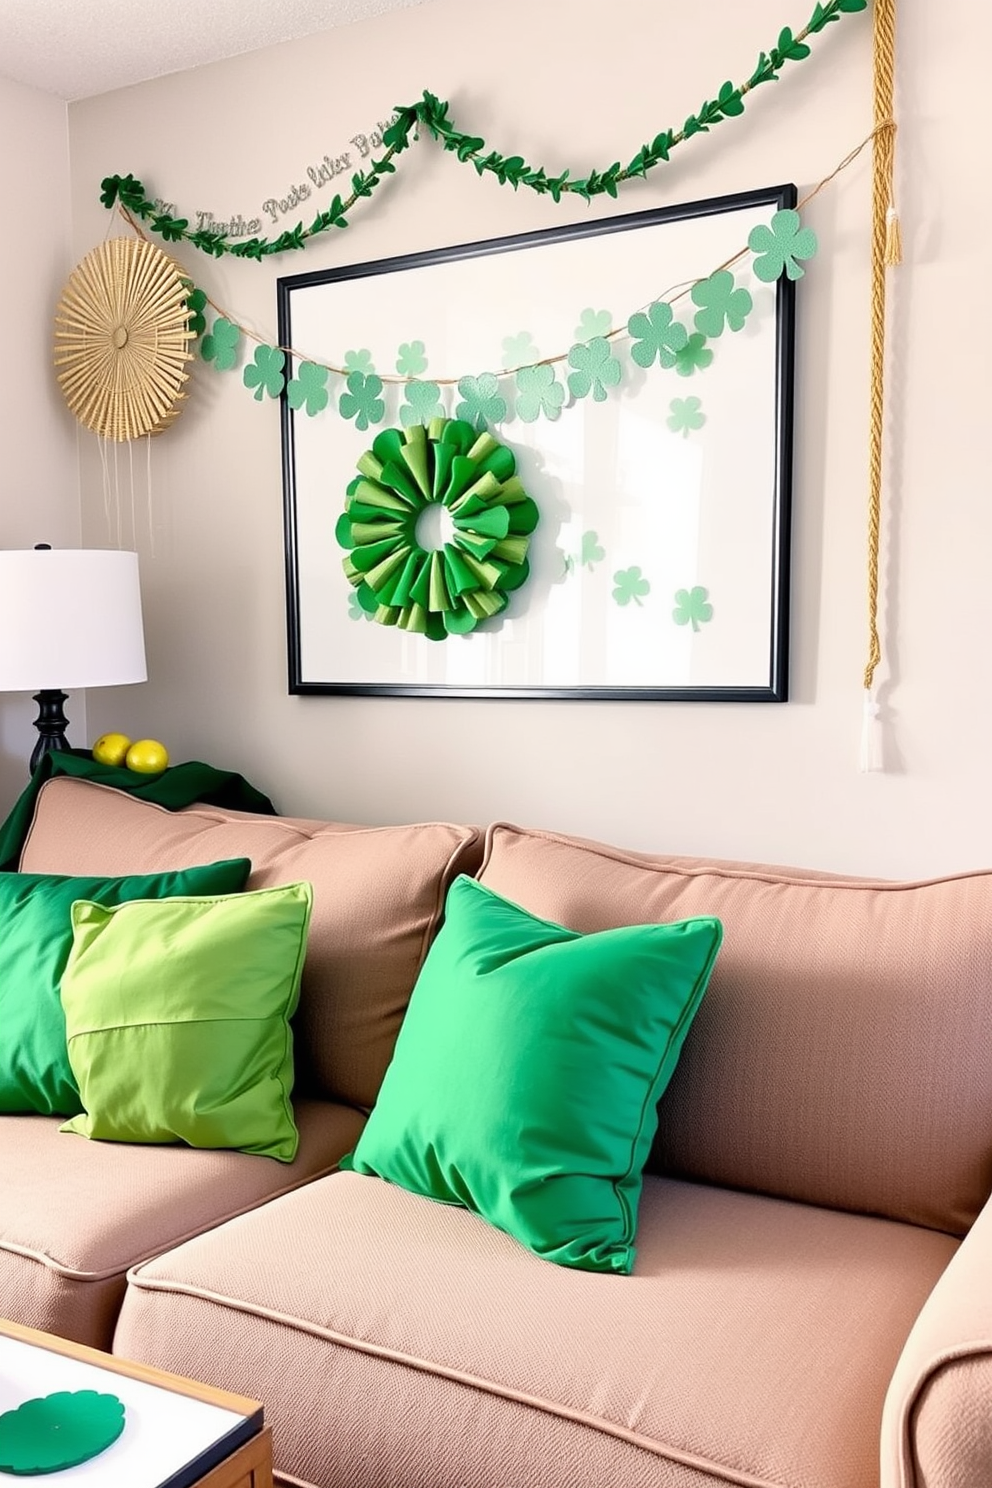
column 527, row 1072
column 35, row 941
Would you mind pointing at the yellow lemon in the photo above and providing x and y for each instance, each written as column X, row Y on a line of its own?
column 111, row 749
column 147, row 757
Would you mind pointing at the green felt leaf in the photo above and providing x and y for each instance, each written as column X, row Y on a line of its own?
column 53, row 1432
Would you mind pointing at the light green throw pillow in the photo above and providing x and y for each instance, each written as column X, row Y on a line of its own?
column 35, row 941
column 528, row 1068
column 177, row 1015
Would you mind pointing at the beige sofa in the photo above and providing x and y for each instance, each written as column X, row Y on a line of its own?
column 811, row 1305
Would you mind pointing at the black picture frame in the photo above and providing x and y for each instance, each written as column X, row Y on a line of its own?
column 741, row 505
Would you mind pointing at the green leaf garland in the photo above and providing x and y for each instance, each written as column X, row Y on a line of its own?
column 432, row 113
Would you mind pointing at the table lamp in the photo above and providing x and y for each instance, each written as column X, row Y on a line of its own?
column 69, row 618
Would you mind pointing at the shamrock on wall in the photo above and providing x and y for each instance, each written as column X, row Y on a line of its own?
column 590, row 553
column 692, row 607
column 685, row 415
column 411, row 360
column 593, row 323
column 359, row 361
column 519, row 350
column 655, row 334
column 630, row 585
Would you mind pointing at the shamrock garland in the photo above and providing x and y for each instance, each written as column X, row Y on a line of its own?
column 451, row 589
column 655, row 336
column 432, row 113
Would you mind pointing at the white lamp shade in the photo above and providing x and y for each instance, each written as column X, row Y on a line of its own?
column 69, row 618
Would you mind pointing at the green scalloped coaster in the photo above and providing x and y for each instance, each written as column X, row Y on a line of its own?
column 57, row 1431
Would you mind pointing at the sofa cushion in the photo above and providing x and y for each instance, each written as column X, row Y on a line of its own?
column 35, row 940
column 840, row 1055
column 75, row 1215
column 752, row 1344
column 527, row 1072
column 378, row 894
column 177, row 1018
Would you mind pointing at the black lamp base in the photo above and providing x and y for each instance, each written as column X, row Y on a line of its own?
column 51, row 724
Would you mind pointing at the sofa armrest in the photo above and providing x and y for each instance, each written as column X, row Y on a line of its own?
column 937, row 1420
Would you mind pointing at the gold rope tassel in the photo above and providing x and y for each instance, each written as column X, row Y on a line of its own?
column 886, row 249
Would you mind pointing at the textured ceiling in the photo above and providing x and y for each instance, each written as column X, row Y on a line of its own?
column 76, row 48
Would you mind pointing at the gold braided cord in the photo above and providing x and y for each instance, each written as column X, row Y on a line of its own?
column 884, row 250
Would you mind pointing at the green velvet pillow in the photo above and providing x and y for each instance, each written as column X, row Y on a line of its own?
column 177, row 1014
column 35, row 940
column 528, row 1068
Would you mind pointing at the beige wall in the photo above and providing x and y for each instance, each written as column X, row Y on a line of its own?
column 583, row 84
column 39, row 480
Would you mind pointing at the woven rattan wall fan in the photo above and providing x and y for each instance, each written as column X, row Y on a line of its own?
column 122, row 339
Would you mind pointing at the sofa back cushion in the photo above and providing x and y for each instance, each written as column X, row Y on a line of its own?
column 841, row 1053
column 378, row 894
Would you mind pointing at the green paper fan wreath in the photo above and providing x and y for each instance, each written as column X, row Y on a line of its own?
column 449, row 590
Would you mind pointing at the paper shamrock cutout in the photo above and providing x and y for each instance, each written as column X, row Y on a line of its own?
column 685, row 415
column 411, row 360
column 589, row 554
column 655, row 334
column 593, row 323
column 597, row 369
column 778, row 246
column 538, row 391
column 483, row 403
column 692, row 607
column 519, row 350
column 423, row 403
column 722, row 304
column 362, row 401
column 220, row 344
column 308, row 389
column 695, row 356
column 358, row 361
column 264, row 372
column 630, row 585
column 53, row 1432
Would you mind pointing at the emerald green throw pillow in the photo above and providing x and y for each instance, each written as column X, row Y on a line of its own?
column 35, row 941
column 177, row 1015
column 528, row 1068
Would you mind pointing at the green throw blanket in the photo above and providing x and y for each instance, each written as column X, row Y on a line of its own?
column 178, row 786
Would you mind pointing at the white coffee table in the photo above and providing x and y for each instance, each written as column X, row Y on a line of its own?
column 177, row 1433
